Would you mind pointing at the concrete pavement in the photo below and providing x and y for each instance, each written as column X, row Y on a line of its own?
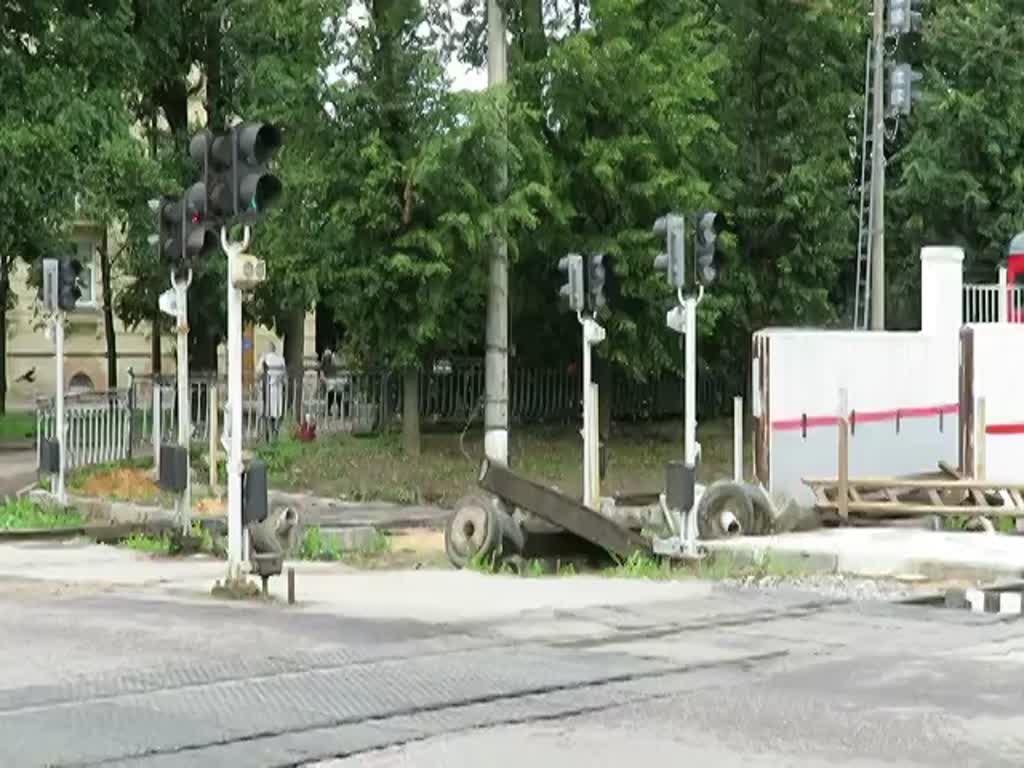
column 125, row 661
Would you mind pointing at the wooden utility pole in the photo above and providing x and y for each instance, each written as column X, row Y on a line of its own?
column 496, row 362
column 878, row 171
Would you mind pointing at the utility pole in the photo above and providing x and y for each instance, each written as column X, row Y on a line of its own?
column 878, row 172
column 496, row 361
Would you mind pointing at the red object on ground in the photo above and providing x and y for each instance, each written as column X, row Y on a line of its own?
column 306, row 432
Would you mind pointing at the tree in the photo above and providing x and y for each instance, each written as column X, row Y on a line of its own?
column 410, row 203
column 957, row 167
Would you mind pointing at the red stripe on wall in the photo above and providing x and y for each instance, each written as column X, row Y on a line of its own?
column 870, row 417
column 1004, row 429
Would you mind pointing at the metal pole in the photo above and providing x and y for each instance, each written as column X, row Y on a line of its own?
column 878, row 173
column 588, row 487
column 184, row 501
column 235, row 543
column 737, row 439
column 158, row 424
column 58, row 335
column 496, row 361
column 212, row 420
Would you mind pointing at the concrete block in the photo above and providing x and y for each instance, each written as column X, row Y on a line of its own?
column 957, row 599
column 1010, row 603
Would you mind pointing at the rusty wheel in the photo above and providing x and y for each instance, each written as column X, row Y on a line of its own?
column 472, row 530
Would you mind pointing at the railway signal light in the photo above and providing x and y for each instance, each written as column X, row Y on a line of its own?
column 705, row 245
column 600, row 279
column 673, row 260
column 69, row 270
column 903, row 19
column 573, row 289
column 901, row 88
column 198, row 239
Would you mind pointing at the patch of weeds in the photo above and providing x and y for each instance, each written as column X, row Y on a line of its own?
column 17, row 426
column 23, row 513
column 317, row 545
column 642, row 566
column 379, row 544
column 565, row 569
column 535, row 569
column 152, row 545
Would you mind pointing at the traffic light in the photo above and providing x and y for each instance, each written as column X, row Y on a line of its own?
column 901, row 88
column 169, row 214
column 600, row 279
column 47, row 272
column 234, row 169
column 572, row 289
column 673, row 261
column 705, row 240
column 69, row 270
column 903, row 19
column 198, row 239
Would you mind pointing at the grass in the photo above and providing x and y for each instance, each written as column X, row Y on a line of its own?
column 16, row 427
column 374, row 467
column 318, row 545
column 167, row 544
column 22, row 513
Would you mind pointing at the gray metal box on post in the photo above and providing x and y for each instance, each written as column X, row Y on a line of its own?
column 679, row 485
column 173, row 468
column 49, row 456
column 255, row 493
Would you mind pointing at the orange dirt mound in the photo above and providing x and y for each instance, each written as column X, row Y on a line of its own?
column 133, row 484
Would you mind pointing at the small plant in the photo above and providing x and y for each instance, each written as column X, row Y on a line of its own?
column 642, row 566
column 316, row 545
column 23, row 513
column 153, row 545
column 565, row 569
column 535, row 569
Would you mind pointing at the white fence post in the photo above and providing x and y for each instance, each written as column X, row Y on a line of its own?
column 1002, row 295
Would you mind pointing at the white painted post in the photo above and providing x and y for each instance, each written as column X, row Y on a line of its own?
column 157, row 425
column 690, row 427
column 1002, row 300
column 737, row 439
column 980, row 437
column 184, row 500
column 58, row 333
column 212, row 420
column 595, row 446
column 588, row 487
column 235, row 533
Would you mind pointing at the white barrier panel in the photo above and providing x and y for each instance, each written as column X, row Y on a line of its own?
column 902, row 397
column 993, row 370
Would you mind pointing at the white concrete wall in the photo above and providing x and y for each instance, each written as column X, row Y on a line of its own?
column 902, row 390
column 998, row 376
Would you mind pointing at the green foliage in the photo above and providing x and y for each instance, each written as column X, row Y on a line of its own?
column 17, row 426
column 317, row 545
column 23, row 513
column 153, row 545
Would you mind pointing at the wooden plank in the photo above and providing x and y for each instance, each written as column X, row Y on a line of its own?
column 881, row 483
column 898, row 509
column 561, row 510
column 935, row 498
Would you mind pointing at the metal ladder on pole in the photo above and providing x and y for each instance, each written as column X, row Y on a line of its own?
column 865, row 213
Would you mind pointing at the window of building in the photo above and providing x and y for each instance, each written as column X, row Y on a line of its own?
column 86, row 254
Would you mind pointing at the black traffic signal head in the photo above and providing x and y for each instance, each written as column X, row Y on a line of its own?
column 573, row 289
column 600, row 280
column 199, row 240
column 169, row 215
column 255, row 144
column 68, row 292
column 705, row 242
column 673, row 260
column 239, row 184
column 903, row 19
column 902, row 92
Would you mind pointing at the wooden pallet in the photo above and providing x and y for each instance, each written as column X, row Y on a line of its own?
column 895, row 497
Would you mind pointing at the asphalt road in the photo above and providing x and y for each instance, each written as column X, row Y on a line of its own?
column 99, row 676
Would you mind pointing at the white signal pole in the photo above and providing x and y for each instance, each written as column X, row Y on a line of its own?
column 184, row 501
column 58, row 335
column 234, row 418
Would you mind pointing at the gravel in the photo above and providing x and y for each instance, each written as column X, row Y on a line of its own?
column 832, row 585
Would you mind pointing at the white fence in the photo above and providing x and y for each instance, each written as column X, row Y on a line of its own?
column 98, row 427
column 994, row 303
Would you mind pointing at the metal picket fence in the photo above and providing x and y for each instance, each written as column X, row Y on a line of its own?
column 98, row 427
column 110, row 426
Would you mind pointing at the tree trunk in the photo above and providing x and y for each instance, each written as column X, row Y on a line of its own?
column 4, row 297
column 411, row 412
column 108, row 313
column 156, row 357
column 294, row 332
